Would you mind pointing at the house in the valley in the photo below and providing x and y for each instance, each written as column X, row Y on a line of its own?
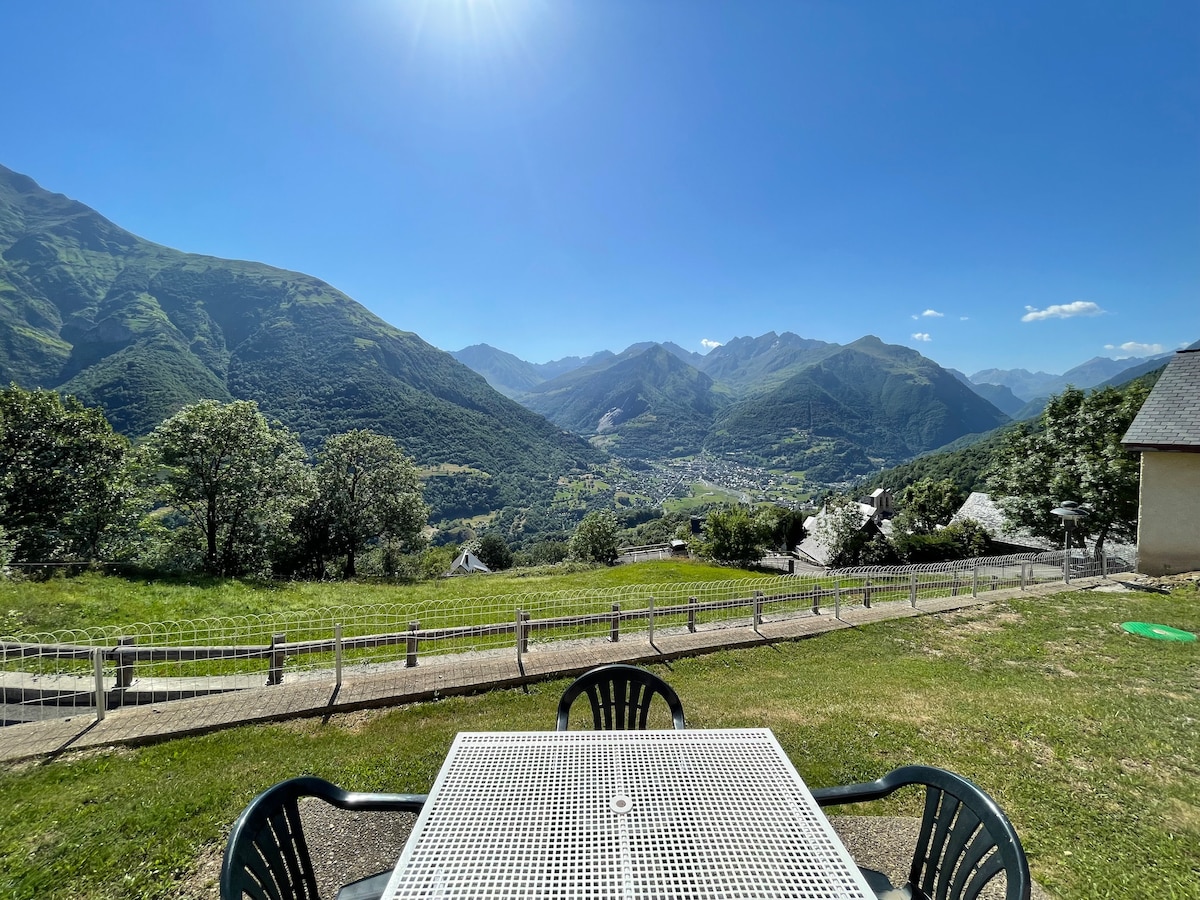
column 467, row 563
column 875, row 512
column 1167, row 433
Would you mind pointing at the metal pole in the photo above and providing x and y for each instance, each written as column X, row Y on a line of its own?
column 1067, row 551
column 651, row 620
column 98, row 665
column 520, row 638
column 275, row 672
column 912, row 590
column 124, row 663
column 975, row 579
column 758, row 608
column 837, row 600
column 337, row 654
column 410, row 649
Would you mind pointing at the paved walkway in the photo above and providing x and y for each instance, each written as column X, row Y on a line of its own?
column 442, row 676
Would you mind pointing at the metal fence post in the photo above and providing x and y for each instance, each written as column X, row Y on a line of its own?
column 337, row 654
column 614, row 630
column 125, row 662
column 520, row 637
column 278, row 656
column 410, row 654
column 975, row 580
column 816, row 600
column 1103, row 565
column 758, row 608
column 98, row 666
column 837, row 600
column 912, row 590
column 867, row 594
column 692, row 614
column 651, row 618
column 1023, row 577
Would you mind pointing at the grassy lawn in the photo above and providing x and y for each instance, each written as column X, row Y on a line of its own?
column 1084, row 734
column 37, row 607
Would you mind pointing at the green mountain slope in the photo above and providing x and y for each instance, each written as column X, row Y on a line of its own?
column 866, row 406
column 647, row 403
column 140, row 330
column 506, row 373
column 747, row 365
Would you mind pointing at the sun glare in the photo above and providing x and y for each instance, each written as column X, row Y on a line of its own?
column 478, row 24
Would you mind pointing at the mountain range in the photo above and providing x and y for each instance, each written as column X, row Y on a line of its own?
column 1029, row 386
column 140, row 330
column 777, row 401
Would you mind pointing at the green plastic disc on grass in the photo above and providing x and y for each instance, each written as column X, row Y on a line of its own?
column 1158, row 632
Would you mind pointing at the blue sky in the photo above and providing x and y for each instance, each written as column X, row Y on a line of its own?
column 1005, row 184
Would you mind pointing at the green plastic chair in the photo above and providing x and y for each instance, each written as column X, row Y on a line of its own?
column 620, row 697
column 965, row 840
column 267, row 858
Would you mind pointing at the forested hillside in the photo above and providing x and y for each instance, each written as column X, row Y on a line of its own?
column 647, row 404
column 867, row 406
column 140, row 330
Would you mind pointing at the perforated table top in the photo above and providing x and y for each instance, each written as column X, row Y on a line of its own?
column 622, row 815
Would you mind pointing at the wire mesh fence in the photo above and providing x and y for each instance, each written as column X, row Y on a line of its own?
column 88, row 671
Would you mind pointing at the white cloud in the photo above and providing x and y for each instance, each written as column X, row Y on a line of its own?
column 964, row 318
column 922, row 336
column 709, row 345
column 1134, row 348
column 933, row 314
column 1062, row 311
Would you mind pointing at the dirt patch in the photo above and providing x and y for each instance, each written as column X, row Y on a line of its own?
column 204, row 882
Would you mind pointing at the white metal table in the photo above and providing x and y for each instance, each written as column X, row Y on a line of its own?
column 623, row 815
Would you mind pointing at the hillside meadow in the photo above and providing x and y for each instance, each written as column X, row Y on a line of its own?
column 93, row 599
column 1084, row 734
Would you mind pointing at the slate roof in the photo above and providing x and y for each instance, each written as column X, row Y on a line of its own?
column 981, row 508
column 1170, row 417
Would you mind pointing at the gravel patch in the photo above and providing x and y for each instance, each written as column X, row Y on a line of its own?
column 346, row 846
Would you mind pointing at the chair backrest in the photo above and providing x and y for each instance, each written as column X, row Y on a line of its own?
column 267, row 858
column 620, row 697
column 965, row 839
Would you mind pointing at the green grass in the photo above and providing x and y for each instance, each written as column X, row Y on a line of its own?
column 1085, row 735
column 95, row 600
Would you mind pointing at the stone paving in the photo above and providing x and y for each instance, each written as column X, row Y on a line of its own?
column 441, row 676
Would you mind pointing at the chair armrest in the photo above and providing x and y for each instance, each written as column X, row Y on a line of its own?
column 853, row 793
column 308, row 785
column 381, row 802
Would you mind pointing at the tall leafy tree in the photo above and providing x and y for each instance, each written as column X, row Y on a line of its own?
column 236, row 478
column 840, row 528
column 63, row 472
column 926, row 505
column 782, row 528
column 1074, row 453
column 595, row 538
column 733, row 536
column 370, row 493
column 494, row 552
